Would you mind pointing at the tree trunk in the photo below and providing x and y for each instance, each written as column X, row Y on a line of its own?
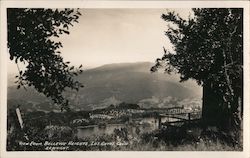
column 210, row 106
column 216, row 112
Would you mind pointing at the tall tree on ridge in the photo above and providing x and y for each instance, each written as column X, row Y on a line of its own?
column 209, row 49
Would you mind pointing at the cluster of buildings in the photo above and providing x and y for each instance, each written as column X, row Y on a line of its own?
column 100, row 116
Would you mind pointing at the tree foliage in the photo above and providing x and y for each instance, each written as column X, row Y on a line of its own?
column 32, row 40
column 208, row 48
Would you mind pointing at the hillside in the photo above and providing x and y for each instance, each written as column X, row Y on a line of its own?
column 123, row 82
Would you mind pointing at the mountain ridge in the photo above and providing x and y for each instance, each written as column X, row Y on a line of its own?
column 120, row 82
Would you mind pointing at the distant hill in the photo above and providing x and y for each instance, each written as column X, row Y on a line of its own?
column 122, row 82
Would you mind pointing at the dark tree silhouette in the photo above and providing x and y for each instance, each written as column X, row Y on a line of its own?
column 209, row 49
column 32, row 40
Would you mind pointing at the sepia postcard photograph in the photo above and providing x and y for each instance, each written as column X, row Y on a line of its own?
column 129, row 77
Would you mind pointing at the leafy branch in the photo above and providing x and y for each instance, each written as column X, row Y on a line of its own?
column 30, row 40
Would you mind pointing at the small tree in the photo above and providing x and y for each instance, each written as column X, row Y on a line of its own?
column 31, row 40
column 209, row 49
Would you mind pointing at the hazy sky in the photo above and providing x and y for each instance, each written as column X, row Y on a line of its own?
column 105, row 36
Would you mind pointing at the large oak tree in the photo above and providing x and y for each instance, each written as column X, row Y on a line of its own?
column 209, row 49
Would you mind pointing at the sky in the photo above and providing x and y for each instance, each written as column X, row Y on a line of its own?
column 105, row 36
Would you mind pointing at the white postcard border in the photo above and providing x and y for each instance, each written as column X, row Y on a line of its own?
column 121, row 4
